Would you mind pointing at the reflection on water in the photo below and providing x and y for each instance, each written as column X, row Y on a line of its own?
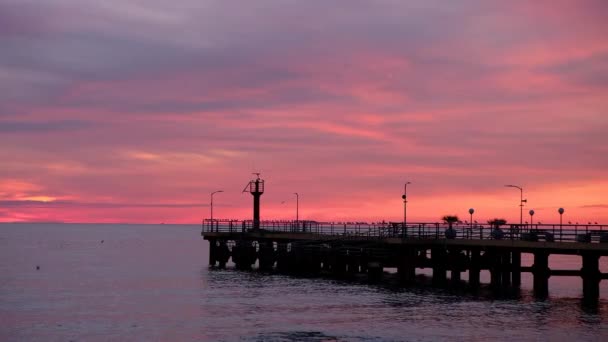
column 284, row 308
column 152, row 283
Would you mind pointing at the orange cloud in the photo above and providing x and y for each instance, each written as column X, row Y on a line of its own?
column 125, row 125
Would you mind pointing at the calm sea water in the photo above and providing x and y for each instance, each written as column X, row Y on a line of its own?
column 152, row 283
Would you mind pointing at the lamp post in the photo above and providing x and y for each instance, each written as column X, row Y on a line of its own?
column 561, row 212
column 531, row 218
column 521, row 203
column 211, row 206
column 405, row 203
column 297, row 209
column 471, row 211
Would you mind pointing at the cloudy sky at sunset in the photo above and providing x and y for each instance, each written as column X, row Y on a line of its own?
column 135, row 111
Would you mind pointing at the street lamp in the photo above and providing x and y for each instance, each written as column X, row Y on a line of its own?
column 405, row 203
column 297, row 209
column 531, row 218
column 471, row 211
column 213, row 193
column 521, row 203
column 561, row 212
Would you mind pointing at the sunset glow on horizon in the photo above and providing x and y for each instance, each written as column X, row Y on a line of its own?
column 135, row 111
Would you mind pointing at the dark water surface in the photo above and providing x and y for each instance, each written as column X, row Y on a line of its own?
column 152, row 283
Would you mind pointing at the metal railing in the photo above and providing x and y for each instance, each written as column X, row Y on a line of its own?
column 538, row 232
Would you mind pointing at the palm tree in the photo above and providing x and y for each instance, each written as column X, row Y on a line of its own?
column 497, row 233
column 450, row 233
column 497, row 222
column 450, row 219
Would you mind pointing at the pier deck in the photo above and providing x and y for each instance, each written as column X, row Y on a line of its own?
column 355, row 248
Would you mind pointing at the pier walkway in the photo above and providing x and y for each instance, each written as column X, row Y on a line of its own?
column 311, row 247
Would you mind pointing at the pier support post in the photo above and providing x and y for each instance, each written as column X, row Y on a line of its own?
column 374, row 271
column 243, row 254
column 455, row 275
column 363, row 260
column 282, row 257
column 407, row 266
column 314, row 263
column 223, row 254
column 307, row 260
column 458, row 263
column 325, row 259
column 495, row 260
column 298, row 259
column 338, row 264
column 541, row 273
column 213, row 249
column 439, row 261
column 352, row 265
column 474, row 268
column 516, row 268
column 266, row 255
column 591, row 277
column 505, row 268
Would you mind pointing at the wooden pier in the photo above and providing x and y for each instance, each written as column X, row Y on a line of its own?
column 342, row 249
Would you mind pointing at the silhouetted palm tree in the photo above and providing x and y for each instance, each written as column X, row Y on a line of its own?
column 497, row 222
column 450, row 219
column 496, row 231
column 450, row 233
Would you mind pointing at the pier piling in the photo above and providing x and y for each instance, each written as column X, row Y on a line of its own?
column 223, row 254
column 439, row 261
column 213, row 251
column 516, row 269
column 591, row 277
column 474, row 268
column 407, row 266
column 505, row 268
column 541, row 273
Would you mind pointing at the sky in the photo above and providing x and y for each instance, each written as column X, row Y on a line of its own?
column 135, row 111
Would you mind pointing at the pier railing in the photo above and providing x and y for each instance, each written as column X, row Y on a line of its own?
column 590, row 233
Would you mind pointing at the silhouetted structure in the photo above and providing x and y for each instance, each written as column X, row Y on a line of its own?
column 256, row 188
column 350, row 248
column 344, row 249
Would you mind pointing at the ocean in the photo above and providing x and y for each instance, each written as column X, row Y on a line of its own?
column 117, row 282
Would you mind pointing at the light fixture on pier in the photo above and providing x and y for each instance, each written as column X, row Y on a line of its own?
column 521, row 202
column 405, row 203
column 297, row 209
column 471, row 211
column 531, row 217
